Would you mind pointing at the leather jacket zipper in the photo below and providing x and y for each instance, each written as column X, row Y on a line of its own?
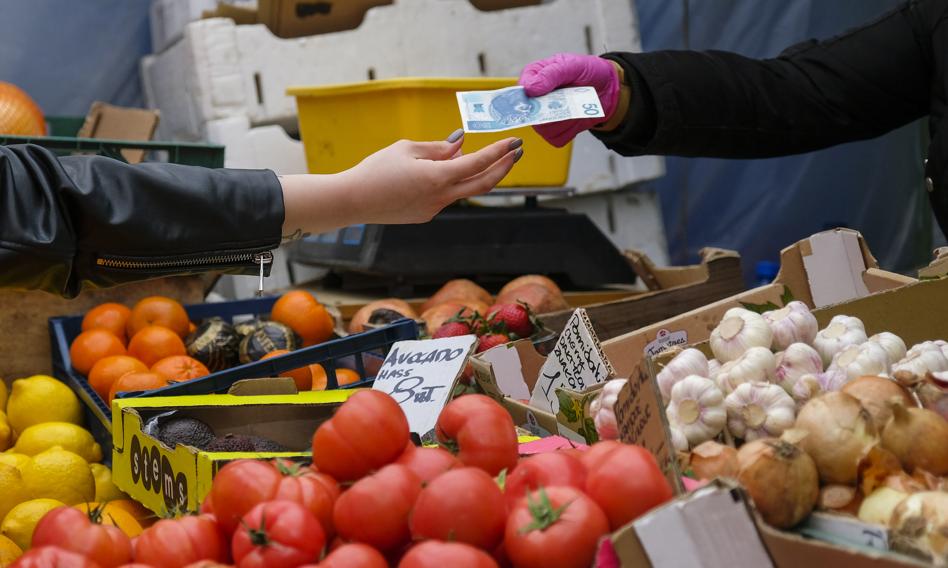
column 202, row 262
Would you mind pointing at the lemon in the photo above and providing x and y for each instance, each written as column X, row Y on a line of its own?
column 9, row 551
column 3, row 394
column 60, row 474
column 41, row 437
column 105, row 490
column 20, row 522
column 6, row 433
column 39, row 399
column 18, row 461
column 13, row 489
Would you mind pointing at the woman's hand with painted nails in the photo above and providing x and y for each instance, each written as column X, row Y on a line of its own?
column 407, row 182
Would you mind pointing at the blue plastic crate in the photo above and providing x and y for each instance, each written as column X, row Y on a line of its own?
column 362, row 352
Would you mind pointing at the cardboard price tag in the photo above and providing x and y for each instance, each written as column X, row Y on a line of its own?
column 577, row 362
column 420, row 376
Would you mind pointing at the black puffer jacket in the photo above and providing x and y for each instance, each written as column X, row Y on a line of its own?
column 74, row 221
column 858, row 85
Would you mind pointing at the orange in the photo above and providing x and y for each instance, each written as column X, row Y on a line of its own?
column 153, row 343
column 109, row 316
column 90, row 346
column 303, row 377
column 115, row 515
column 346, row 377
column 180, row 368
column 108, row 369
column 343, row 377
column 158, row 310
column 136, row 382
column 144, row 517
column 306, row 316
column 192, row 327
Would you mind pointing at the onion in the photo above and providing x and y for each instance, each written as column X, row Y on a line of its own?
column 918, row 527
column 780, row 478
column 877, row 508
column 933, row 395
column 874, row 393
column 918, row 437
column 711, row 459
column 839, row 499
column 839, row 434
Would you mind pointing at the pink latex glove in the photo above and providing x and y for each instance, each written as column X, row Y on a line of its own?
column 572, row 70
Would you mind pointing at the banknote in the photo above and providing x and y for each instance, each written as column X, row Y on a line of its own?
column 503, row 109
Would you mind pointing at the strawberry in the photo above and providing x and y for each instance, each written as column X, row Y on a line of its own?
column 491, row 340
column 452, row 329
column 515, row 317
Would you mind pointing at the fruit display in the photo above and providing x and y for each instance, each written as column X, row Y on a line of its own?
column 374, row 501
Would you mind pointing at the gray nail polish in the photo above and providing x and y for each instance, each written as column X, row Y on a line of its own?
column 516, row 144
column 456, row 135
column 518, row 154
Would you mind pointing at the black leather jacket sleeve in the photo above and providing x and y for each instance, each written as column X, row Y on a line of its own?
column 858, row 85
column 71, row 222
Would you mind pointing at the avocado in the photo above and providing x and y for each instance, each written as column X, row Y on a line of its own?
column 242, row 443
column 265, row 445
column 186, row 431
column 384, row 316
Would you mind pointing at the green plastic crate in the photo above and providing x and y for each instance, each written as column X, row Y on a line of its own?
column 63, row 140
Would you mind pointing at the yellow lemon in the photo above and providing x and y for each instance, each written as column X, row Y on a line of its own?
column 60, row 474
column 39, row 399
column 20, row 522
column 17, row 460
column 3, row 394
column 13, row 489
column 105, row 490
column 6, row 433
column 41, row 437
column 9, row 551
column 113, row 514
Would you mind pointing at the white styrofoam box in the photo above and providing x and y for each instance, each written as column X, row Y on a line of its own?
column 258, row 147
column 167, row 19
column 221, row 70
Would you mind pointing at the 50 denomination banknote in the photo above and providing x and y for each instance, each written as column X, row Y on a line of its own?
column 503, row 109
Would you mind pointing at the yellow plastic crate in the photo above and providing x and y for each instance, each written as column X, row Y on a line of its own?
column 342, row 124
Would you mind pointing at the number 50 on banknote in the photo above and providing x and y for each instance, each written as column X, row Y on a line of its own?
column 503, row 109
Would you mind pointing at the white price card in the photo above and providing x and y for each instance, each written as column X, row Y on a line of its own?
column 577, row 362
column 420, row 376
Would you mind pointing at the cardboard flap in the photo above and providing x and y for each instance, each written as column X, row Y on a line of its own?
column 264, row 386
column 937, row 267
column 878, row 280
column 119, row 123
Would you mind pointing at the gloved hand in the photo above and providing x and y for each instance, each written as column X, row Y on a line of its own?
column 572, row 70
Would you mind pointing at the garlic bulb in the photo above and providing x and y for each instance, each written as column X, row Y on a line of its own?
column 791, row 324
column 697, row 408
column 892, row 343
column 759, row 410
column 713, row 367
column 922, row 358
column 756, row 364
column 678, row 439
column 865, row 359
column 739, row 331
column 797, row 360
column 841, row 332
column 688, row 362
column 603, row 409
column 811, row 385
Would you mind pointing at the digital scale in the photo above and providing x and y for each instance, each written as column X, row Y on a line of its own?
column 490, row 245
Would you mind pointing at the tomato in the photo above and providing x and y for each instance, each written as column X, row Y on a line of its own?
column 301, row 485
column 555, row 527
column 375, row 509
column 207, row 506
column 278, row 534
column 482, row 432
column 238, row 487
column 367, row 432
column 74, row 530
column 327, row 480
column 171, row 543
column 436, row 554
column 53, row 557
column 427, row 463
column 463, row 505
column 593, row 457
column 543, row 470
column 625, row 481
column 354, row 555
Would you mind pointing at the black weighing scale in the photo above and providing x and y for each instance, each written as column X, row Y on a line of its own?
column 490, row 245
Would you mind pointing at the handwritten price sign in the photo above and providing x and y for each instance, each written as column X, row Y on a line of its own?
column 420, row 376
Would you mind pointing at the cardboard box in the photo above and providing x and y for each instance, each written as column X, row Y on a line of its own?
column 297, row 18
column 176, row 480
column 672, row 291
column 111, row 122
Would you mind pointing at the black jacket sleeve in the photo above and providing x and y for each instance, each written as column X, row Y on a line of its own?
column 81, row 221
column 816, row 94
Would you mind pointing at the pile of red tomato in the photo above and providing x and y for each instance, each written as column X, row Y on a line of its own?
column 373, row 499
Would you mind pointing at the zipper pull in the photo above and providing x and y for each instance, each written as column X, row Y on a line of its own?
column 263, row 259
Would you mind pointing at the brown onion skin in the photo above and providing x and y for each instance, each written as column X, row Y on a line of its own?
column 361, row 317
column 874, row 393
column 919, row 438
column 918, row 525
column 781, row 479
column 711, row 459
column 840, row 432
